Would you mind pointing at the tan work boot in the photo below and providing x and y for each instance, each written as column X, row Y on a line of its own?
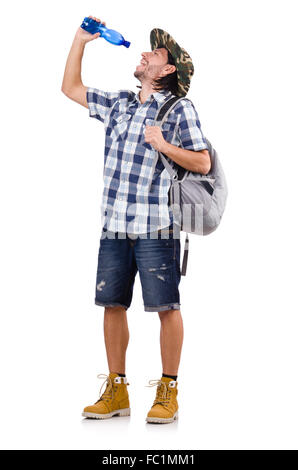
column 165, row 406
column 114, row 400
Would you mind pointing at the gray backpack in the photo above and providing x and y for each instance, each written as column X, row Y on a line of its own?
column 197, row 201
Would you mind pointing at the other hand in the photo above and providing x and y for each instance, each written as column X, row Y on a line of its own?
column 153, row 136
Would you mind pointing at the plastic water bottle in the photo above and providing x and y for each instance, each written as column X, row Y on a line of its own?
column 92, row 26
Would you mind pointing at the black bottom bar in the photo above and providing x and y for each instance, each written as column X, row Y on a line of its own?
column 135, row 458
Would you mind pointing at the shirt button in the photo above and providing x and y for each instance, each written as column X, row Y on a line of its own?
column 120, row 198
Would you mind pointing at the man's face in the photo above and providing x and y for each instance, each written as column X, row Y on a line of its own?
column 152, row 64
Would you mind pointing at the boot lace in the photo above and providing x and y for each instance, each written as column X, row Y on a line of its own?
column 163, row 394
column 108, row 394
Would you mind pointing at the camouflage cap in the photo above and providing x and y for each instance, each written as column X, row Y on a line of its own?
column 185, row 69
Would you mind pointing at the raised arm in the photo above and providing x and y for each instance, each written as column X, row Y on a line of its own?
column 72, row 85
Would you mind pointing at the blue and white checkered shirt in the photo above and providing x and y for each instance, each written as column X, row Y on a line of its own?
column 135, row 195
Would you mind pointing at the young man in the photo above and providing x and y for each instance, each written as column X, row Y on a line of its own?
column 134, row 236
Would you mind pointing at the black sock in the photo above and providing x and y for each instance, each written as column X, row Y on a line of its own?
column 121, row 375
column 174, row 377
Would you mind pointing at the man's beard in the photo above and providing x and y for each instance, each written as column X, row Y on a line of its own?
column 139, row 74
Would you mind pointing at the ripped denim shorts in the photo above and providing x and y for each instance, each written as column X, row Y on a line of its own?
column 156, row 259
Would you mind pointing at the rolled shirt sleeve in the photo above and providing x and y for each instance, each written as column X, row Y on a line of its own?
column 189, row 131
column 100, row 102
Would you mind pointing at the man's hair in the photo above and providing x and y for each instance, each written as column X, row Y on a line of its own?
column 170, row 81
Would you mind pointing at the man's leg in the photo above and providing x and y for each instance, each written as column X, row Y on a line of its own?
column 165, row 406
column 116, row 338
column 171, row 339
column 114, row 400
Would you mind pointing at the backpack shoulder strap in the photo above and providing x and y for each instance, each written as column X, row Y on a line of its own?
column 165, row 109
column 160, row 118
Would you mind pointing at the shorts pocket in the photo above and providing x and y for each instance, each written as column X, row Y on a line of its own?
column 170, row 243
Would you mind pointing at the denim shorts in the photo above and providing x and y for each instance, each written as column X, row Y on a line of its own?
column 156, row 259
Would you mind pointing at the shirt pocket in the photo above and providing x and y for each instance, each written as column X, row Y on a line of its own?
column 169, row 129
column 119, row 126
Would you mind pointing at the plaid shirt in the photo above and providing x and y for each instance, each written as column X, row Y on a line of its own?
column 135, row 195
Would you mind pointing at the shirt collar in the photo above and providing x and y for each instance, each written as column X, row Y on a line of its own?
column 159, row 96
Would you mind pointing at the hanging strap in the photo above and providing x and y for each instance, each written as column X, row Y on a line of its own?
column 185, row 256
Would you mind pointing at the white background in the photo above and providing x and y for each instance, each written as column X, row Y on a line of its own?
column 238, row 382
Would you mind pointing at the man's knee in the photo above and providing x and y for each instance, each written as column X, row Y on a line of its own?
column 168, row 313
column 113, row 309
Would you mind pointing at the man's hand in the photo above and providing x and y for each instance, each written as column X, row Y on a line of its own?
column 153, row 136
column 84, row 36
